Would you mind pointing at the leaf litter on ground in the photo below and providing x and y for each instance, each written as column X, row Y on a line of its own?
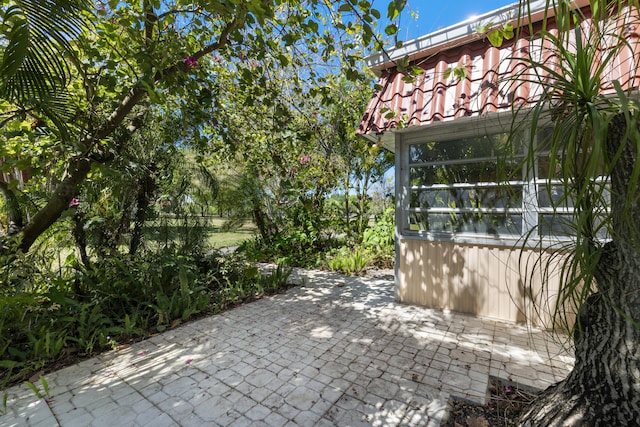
column 506, row 403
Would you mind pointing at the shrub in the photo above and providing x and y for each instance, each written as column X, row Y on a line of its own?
column 378, row 240
column 76, row 310
column 349, row 261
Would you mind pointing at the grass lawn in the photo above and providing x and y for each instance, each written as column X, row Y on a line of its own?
column 171, row 229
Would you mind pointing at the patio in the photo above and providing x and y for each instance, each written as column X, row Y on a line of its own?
column 334, row 351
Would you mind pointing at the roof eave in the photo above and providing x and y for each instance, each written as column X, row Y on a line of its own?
column 459, row 34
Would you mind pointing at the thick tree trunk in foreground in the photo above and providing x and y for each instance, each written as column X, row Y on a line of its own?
column 604, row 387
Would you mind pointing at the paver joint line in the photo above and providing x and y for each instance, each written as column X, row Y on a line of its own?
column 336, row 351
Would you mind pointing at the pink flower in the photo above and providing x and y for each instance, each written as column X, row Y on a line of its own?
column 189, row 361
column 304, row 159
column 74, row 202
column 191, row 61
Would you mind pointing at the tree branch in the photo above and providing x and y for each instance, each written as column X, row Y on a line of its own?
column 138, row 91
column 79, row 167
column 177, row 11
column 150, row 19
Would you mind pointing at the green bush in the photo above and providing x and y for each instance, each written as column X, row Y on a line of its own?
column 349, row 261
column 378, row 240
column 377, row 248
column 75, row 310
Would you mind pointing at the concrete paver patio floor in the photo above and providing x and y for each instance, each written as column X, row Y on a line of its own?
column 334, row 351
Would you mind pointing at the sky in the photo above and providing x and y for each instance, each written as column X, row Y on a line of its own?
column 431, row 15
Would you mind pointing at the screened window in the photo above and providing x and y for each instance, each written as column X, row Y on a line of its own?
column 453, row 186
column 458, row 187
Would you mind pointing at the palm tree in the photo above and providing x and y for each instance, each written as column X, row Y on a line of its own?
column 37, row 39
column 594, row 145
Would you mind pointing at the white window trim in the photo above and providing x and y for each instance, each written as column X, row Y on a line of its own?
column 469, row 127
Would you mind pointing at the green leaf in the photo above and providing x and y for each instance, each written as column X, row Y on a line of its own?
column 495, row 38
column 375, row 13
column 5, row 397
column 312, row 25
column 45, row 385
column 8, row 364
column 251, row 272
column 33, row 388
column 403, row 63
column 507, row 31
column 482, row 29
column 351, row 74
column 183, row 278
column 460, row 72
column 17, row 46
column 391, row 29
column 284, row 60
column 288, row 39
column 392, row 11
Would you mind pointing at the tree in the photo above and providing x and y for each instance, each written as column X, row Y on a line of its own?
column 360, row 163
column 283, row 171
column 593, row 134
column 33, row 75
column 139, row 52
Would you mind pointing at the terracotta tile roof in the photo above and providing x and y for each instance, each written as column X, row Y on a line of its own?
column 436, row 95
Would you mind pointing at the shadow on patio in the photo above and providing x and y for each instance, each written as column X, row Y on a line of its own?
column 335, row 351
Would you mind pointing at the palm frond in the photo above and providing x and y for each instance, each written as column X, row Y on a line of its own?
column 570, row 121
column 37, row 36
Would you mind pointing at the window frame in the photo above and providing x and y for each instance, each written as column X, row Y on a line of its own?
column 464, row 128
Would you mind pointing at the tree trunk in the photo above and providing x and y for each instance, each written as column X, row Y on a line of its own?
column 146, row 188
column 57, row 204
column 604, row 387
column 261, row 219
column 346, row 205
column 14, row 213
column 363, row 221
column 80, row 237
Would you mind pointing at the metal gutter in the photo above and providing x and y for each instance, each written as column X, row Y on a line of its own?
column 461, row 33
